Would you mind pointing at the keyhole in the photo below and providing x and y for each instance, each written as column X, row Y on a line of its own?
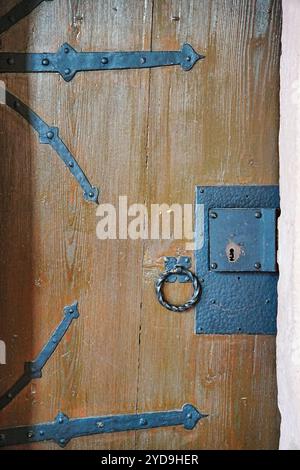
column 231, row 255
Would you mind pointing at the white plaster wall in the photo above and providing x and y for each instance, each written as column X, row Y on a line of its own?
column 288, row 341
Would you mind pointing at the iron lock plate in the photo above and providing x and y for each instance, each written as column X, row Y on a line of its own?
column 239, row 287
column 243, row 240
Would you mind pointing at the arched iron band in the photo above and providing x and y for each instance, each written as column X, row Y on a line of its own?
column 50, row 135
column 17, row 13
column 33, row 370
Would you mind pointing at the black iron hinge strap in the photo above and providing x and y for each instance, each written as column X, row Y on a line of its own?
column 17, row 13
column 63, row 429
column 67, row 61
column 50, row 135
column 33, row 370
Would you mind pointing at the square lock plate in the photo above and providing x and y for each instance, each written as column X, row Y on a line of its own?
column 236, row 259
column 242, row 240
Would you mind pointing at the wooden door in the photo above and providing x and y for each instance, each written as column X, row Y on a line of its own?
column 152, row 136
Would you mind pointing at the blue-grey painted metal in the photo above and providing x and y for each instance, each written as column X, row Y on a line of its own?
column 50, row 135
column 171, row 262
column 68, row 62
column 63, row 429
column 234, row 302
column 33, row 370
column 19, row 11
column 243, row 240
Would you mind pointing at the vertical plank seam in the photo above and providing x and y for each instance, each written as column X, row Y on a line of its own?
column 145, row 200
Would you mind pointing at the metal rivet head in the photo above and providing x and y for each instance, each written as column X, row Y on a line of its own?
column 71, row 310
column 100, row 425
column 30, row 434
column 62, row 441
column 42, row 432
column 71, row 164
column 91, row 194
column 104, row 60
column 257, row 265
column 45, row 62
column 67, row 71
column 54, row 340
column 189, row 416
column 9, row 396
column 16, row 104
column 143, row 60
column 213, row 215
column 143, row 422
column 10, row 61
column 60, row 420
column 67, row 50
column 258, row 214
column 188, row 58
column 50, row 135
column 214, row 266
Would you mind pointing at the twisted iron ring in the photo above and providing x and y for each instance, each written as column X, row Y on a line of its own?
column 187, row 305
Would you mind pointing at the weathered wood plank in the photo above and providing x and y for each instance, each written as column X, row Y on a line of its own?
column 103, row 119
column 215, row 125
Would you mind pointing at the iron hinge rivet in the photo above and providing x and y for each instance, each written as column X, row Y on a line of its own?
column 214, row 266
column 71, row 164
column 213, row 215
column 104, row 60
column 67, row 71
column 50, row 135
column 257, row 265
column 258, row 215
column 45, row 62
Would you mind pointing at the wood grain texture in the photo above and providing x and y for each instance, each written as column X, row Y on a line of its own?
column 216, row 125
column 152, row 136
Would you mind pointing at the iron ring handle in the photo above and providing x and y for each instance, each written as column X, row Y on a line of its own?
column 187, row 305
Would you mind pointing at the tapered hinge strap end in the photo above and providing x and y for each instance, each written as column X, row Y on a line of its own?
column 189, row 57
